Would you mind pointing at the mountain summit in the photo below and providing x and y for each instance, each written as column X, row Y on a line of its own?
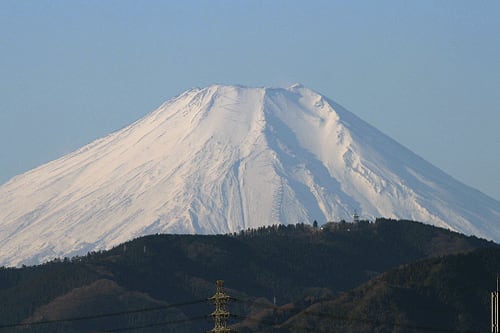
column 225, row 158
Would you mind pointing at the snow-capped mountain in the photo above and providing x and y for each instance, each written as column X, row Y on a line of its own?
column 226, row 158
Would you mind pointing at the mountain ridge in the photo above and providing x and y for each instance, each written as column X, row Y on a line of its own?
column 297, row 265
column 225, row 158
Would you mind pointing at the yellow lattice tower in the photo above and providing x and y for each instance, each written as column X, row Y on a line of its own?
column 220, row 315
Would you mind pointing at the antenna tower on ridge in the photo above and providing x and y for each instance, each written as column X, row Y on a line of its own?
column 356, row 217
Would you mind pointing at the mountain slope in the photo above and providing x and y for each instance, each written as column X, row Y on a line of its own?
column 222, row 159
column 445, row 294
column 287, row 262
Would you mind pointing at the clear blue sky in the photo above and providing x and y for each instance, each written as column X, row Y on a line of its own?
column 427, row 73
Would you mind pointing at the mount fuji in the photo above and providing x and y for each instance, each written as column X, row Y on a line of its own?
column 226, row 158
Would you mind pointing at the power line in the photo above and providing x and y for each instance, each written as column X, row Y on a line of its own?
column 268, row 323
column 165, row 323
column 104, row 315
column 366, row 321
column 302, row 311
column 373, row 322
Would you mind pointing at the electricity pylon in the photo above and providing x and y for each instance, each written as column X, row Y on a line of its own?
column 220, row 315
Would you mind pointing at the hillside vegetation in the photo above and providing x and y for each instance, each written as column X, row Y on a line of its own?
column 337, row 267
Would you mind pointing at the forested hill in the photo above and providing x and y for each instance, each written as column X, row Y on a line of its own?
column 149, row 281
column 445, row 294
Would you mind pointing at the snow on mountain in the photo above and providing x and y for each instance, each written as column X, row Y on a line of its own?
column 226, row 158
